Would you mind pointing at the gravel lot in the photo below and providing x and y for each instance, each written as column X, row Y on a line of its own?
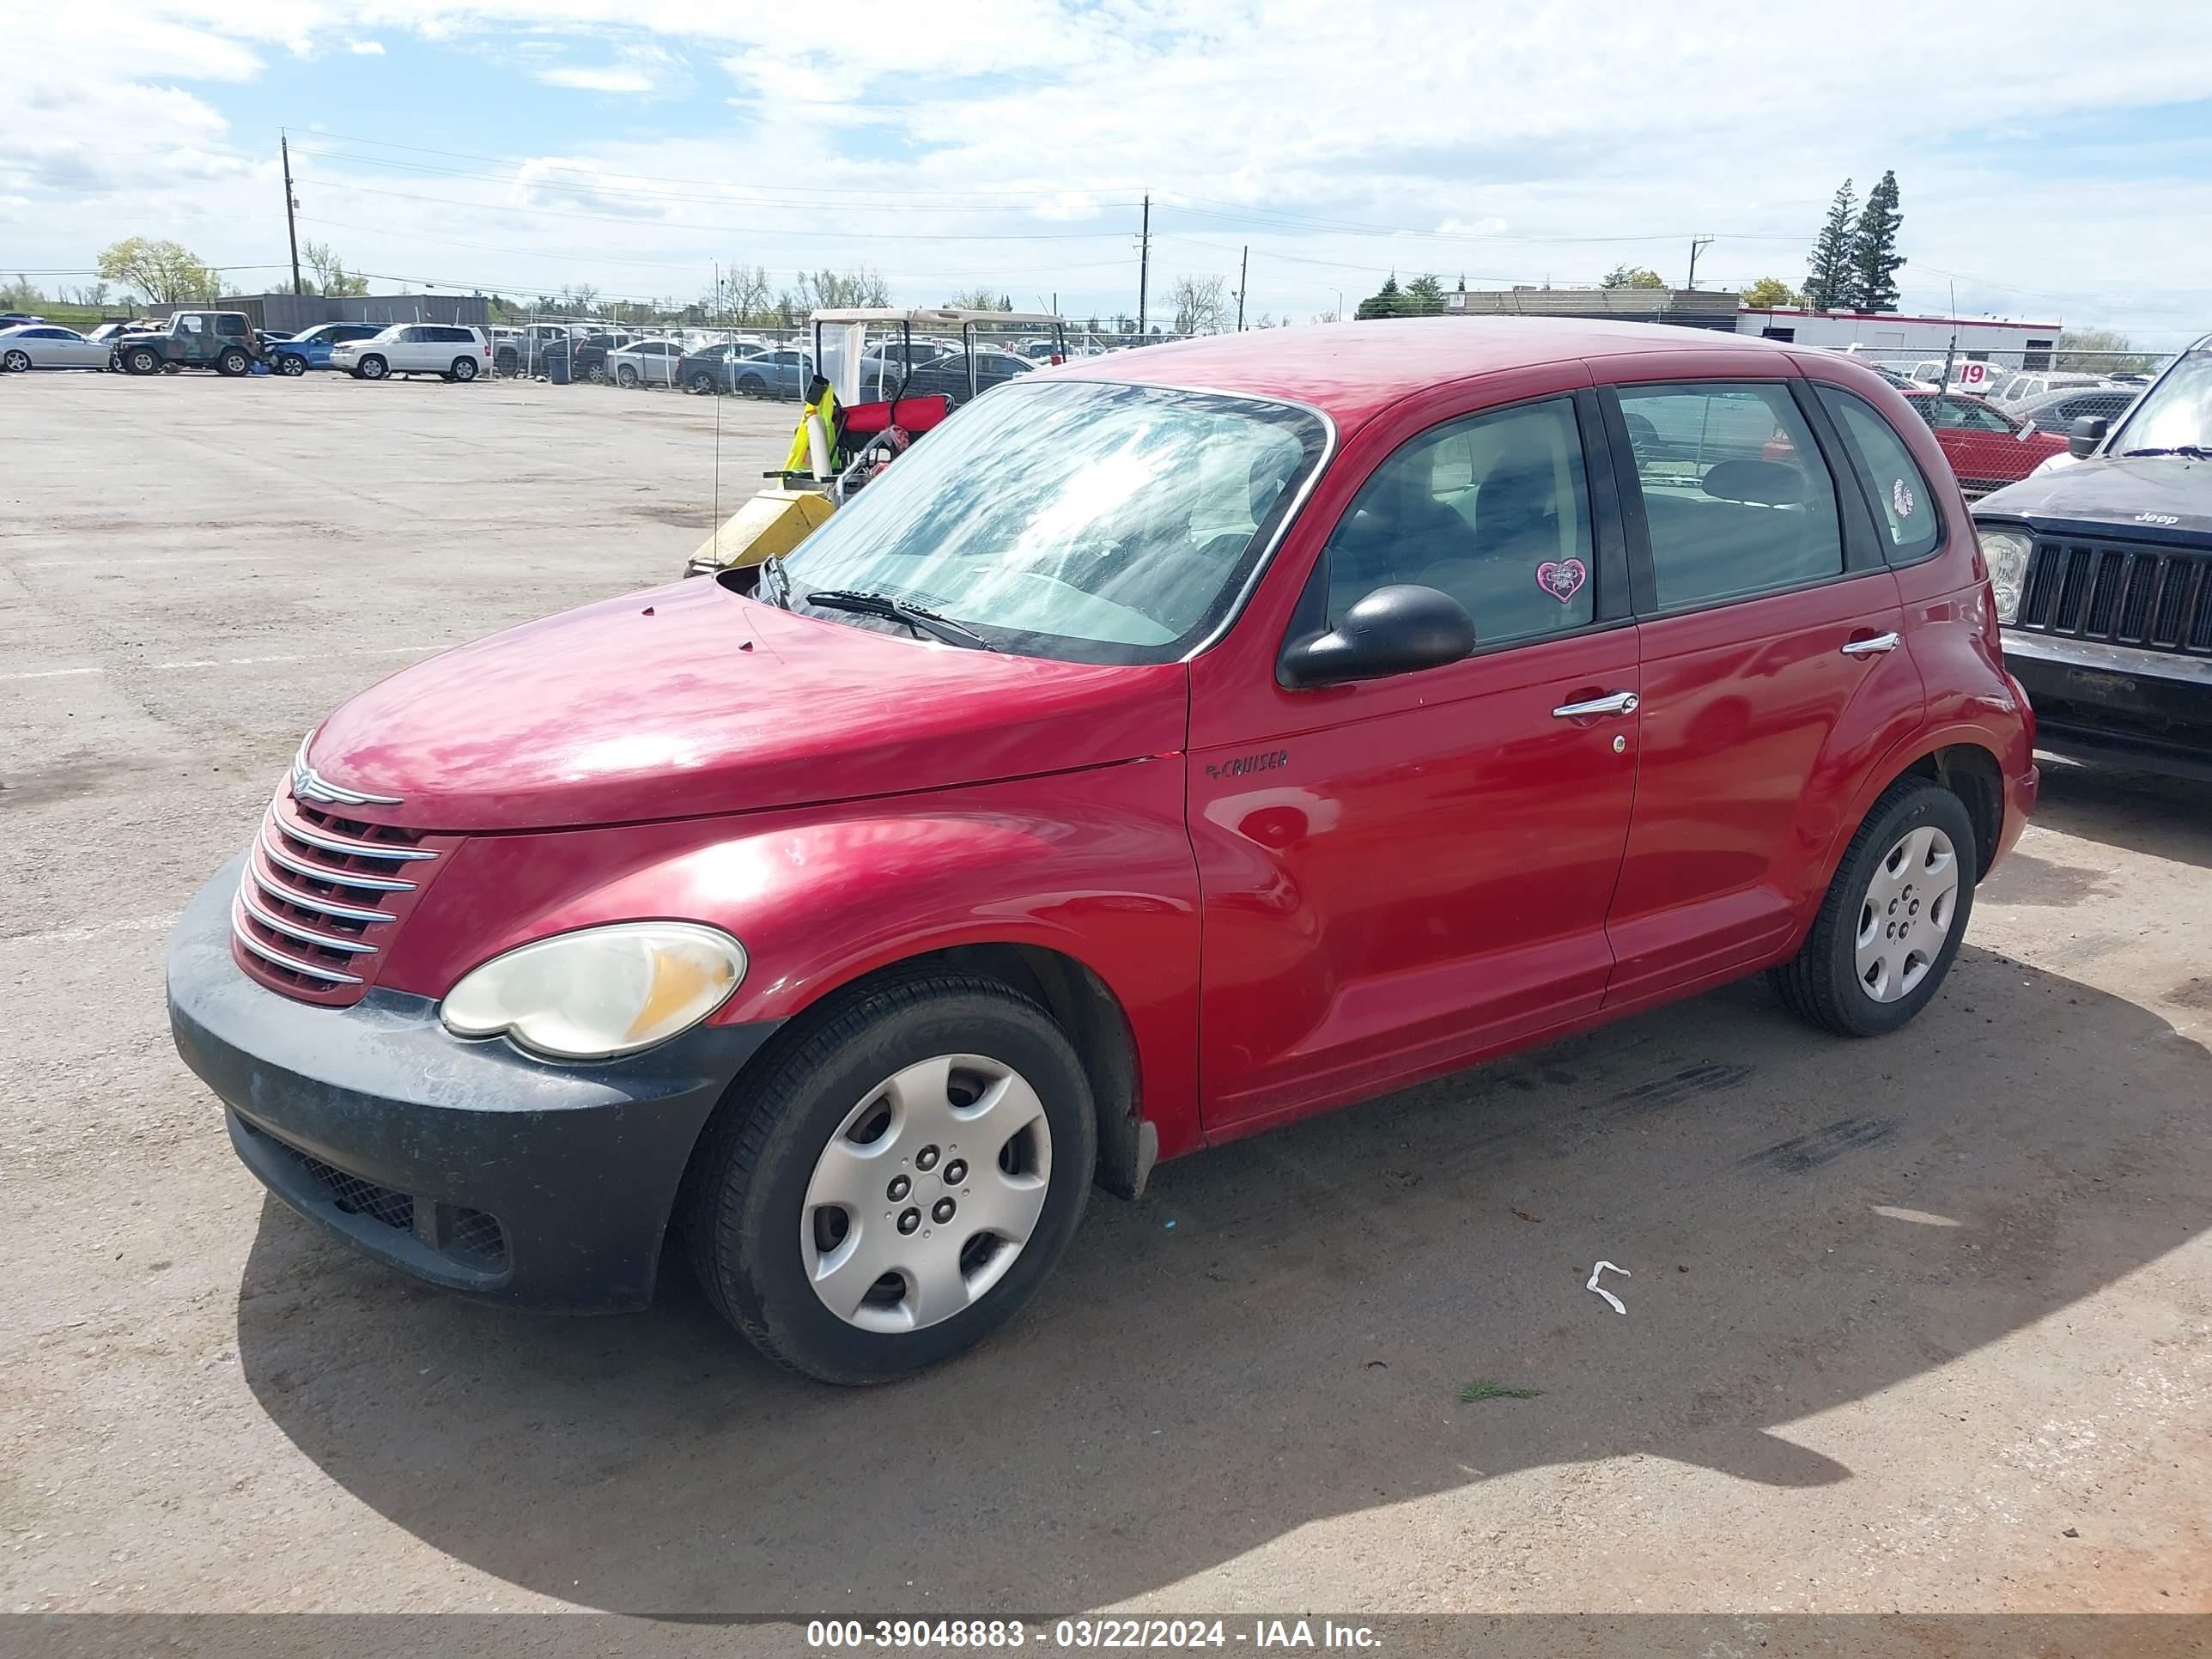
column 1919, row 1323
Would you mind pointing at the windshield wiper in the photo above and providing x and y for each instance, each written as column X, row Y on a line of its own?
column 2194, row 451
column 914, row 616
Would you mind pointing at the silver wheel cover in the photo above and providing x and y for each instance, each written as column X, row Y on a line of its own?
column 927, row 1193
column 1906, row 915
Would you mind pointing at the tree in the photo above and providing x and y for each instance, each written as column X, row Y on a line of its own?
column 1828, row 267
column 1383, row 302
column 2100, row 351
column 1199, row 302
column 744, row 294
column 161, row 273
column 22, row 294
column 1874, row 259
column 1425, row 297
column 1631, row 276
column 978, row 298
column 331, row 277
column 1769, row 291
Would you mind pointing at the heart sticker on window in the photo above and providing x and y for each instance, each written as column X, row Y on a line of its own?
column 1562, row 578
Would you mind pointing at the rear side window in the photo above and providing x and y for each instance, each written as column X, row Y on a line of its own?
column 1736, row 497
column 1493, row 510
column 231, row 326
column 1903, row 502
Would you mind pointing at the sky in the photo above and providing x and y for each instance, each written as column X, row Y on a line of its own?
column 2055, row 160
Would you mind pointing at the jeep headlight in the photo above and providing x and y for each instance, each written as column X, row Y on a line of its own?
column 2005, row 552
column 599, row 991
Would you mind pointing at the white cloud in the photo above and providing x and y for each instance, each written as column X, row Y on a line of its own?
column 365, row 48
column 596, row 80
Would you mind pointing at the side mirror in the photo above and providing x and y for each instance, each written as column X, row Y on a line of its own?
column 1393, row 630
column 2088, row 432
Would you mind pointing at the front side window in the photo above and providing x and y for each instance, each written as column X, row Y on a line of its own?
column 1089, row 522
column 1901, row 496
column 1736, row 498
column 1493, row 510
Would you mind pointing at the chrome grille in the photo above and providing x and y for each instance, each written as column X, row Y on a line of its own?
column 317, row 897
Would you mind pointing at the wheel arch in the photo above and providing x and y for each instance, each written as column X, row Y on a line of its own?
column 1963, row 759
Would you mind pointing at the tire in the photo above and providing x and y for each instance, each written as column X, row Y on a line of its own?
column 596, row 375
column 752, row 385
column 626, row 378
column 759, row 1228
column 1890, row 924
column 464, row 369
column 702, row 383
column 372, row 369
column 293, row 364
column 509, row 364
column 142, row 360
column 17, row 361
column 232, row 363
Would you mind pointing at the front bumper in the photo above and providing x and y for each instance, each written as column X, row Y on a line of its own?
column 466, row 1163
column 2117, row 704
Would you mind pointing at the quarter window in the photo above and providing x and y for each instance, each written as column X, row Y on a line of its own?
column 1736, row 497
column 1493, row 510
column 1905, row 504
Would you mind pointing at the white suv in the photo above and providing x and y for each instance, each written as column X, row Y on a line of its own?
column 451, row 353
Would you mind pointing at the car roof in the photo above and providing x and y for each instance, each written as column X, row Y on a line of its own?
column 1352, row 371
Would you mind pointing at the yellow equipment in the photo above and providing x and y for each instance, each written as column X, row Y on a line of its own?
column 771, row 524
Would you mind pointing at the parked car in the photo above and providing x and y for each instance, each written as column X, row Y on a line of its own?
column 311, row 348
column 18, row 319
column 645, row 362
column 1987, row 448
column 587, row 356
column 447, row 350
column 2103, row 577
column 948, row 376
column 783, row 372
column 714, row 368
column 2025, row 384
column 1132, row 767
column 221, row 340
column 48, row 345
column 2056, row 412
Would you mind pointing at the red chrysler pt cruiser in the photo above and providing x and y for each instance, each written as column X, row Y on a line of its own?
column 1174, row 745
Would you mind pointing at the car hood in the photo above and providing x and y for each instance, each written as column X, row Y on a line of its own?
column 2153, row 498
column 692, row 700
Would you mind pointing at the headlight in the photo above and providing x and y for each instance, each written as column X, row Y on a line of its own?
column 2005, row 552
column 600, row 991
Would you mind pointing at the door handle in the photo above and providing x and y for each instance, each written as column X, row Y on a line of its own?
column 1620, row 702
column 1879, row 644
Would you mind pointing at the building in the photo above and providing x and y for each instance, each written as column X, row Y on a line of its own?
column 1888, row 335
column 287, row 313
column 1685, row 307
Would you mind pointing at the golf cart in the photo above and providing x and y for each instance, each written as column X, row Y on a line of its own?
column 882, row 381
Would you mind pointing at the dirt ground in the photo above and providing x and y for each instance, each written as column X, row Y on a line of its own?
column 1919, row 1323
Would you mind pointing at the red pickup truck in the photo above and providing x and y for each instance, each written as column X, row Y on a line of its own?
column 1175, row 744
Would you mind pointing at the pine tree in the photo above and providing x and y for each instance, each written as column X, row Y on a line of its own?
column 1385, row 301
column 1875, row 258
column 1828, row 268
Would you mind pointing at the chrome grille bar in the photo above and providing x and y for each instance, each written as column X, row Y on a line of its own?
column 310, row 901
column 295, row 930
column 323, row 871
column 329, row 976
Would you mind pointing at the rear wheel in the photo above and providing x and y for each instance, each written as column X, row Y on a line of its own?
column 292, row 363
column 464, row 369
column 1890, row 924
column 15, row 362
column 899, row 1183
column 373, row 368
column 142, row 360
column 232, row 362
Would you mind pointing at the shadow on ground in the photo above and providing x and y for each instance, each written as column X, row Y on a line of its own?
column 2138, row 812
column 1279, row 1333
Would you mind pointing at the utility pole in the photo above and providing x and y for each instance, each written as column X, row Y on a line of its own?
column 291, row 204
column 1144, row 266
column 1696, row 242
column 1244, row 269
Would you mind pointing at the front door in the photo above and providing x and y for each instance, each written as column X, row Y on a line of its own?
column 1770, row 656
column 1401, row 874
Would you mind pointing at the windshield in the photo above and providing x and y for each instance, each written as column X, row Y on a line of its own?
column 2175, row 414
column 1070, row 520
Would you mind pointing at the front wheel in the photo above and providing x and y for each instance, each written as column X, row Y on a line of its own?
column 142, row 360
column 596, row 375
column 900, row 1182
column 292, row 363
column 373, row 368
column 752, row 385
column 626, row 378
column 1890, row 924
column 701, row 382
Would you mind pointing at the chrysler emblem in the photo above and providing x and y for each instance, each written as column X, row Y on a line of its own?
column 308, row 784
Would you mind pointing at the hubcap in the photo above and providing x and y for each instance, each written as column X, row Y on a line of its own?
column 1906, row 913
column 927, row 1193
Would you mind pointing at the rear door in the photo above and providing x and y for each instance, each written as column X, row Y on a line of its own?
column 1770, row 628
